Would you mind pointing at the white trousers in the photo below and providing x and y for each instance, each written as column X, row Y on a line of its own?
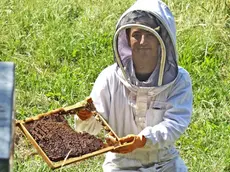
column 174, row 165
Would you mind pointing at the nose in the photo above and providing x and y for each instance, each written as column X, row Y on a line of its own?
column 142, row 40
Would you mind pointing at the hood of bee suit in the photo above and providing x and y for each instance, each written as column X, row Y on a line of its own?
column 155, row 17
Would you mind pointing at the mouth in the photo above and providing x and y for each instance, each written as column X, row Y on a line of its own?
column 143, row 48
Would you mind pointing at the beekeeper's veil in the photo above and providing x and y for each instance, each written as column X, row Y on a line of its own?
column 155, row 17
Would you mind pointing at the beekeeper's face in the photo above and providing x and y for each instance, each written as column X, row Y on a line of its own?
column 144, row 46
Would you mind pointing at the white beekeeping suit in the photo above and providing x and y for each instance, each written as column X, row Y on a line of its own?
column 159, row 108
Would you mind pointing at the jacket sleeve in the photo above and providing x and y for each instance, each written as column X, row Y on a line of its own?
column 100, row 96
column 176, row 119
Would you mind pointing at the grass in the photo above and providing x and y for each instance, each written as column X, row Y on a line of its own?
column 59, row 48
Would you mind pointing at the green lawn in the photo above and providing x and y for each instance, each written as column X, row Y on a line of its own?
column 60, row 46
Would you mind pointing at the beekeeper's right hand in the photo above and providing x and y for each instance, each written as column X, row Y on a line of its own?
column 84, row 114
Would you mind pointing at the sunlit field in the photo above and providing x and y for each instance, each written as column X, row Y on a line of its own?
column 59, row 48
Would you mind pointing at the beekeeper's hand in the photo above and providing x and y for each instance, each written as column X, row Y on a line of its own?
column 84, row 114
column 135, row 140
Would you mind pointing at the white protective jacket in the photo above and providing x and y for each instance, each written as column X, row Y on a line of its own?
column 160, row 108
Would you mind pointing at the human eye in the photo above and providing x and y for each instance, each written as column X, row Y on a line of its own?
column 136, row 35
column 149, row 34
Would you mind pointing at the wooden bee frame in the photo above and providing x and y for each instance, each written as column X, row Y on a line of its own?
column 86, row 104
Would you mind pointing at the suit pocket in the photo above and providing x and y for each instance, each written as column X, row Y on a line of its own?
column 155, row 113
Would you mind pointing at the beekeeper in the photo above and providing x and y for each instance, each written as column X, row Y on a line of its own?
column 145, row 96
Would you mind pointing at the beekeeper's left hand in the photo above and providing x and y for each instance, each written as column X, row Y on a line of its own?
column 84, row 114
column 135, row 142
